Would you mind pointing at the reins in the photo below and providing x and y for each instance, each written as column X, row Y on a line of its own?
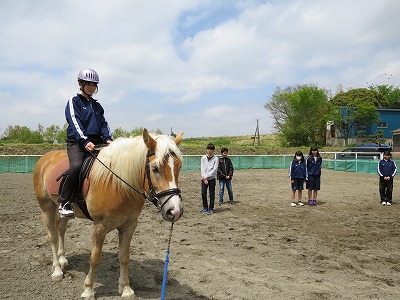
column 164, row 281
column 154, row 197
column 143, row 194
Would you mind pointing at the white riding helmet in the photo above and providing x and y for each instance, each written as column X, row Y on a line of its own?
column 88, row 75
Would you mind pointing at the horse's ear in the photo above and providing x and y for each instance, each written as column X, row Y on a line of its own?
column 149, row 141
column 178, row 138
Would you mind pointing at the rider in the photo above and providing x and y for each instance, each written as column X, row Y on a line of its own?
column 86, row 128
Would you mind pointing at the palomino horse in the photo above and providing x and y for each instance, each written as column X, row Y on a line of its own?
column 124, row 174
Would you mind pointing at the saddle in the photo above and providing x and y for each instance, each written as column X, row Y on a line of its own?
column 57, row 176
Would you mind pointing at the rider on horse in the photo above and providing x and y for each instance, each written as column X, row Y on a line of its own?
column 86, row 128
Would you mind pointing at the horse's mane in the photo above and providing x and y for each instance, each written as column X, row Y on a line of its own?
column 126, row 157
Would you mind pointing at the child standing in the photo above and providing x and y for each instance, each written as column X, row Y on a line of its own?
column 387, row 169
column 297, row 174
column 314, row 166
column 209, row 168
column 225, row 173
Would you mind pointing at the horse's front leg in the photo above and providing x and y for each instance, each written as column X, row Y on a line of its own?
column 125, row 237
column 98, row 237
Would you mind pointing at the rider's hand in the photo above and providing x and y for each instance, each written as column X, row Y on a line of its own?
column 89, row 146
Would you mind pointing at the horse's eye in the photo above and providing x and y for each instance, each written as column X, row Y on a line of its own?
column 155, row 169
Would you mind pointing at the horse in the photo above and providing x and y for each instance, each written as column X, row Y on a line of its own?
column 123, row 175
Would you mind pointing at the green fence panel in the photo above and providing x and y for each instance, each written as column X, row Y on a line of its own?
column 18, row 164
column 26, row 163
column 368, row 166
column 192, row 162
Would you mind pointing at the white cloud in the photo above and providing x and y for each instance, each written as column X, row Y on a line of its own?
column 164, row 64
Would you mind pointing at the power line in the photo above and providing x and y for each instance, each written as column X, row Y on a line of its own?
column 380, row 79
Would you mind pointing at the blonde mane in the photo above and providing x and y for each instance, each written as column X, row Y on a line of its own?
column 126, row 157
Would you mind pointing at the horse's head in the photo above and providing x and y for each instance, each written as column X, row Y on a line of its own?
column 163, row 164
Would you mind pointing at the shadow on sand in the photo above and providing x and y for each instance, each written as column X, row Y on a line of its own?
column 145, row 278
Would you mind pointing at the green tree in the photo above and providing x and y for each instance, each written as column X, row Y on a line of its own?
column 355, row 108
column 16, row 133
column 51, row 134
column 361, row 95
column 300, row 114
column 136, row 131
column 22, row 134
column 391, row 94
column 62, row 134
column 119, row 132
column 139, row 130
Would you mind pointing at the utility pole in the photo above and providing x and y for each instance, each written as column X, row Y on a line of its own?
column 257, row 133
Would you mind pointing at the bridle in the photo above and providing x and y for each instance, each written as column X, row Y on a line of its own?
column 154, row 197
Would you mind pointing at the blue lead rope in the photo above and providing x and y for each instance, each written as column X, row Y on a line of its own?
column 164, row 281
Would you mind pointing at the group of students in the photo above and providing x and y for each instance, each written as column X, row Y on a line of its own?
column 309, row 171
column 212, row 167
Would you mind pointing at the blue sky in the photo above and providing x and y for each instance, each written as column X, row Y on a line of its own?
column 204, row 67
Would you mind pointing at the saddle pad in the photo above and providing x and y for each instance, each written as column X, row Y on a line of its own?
column 53, row 186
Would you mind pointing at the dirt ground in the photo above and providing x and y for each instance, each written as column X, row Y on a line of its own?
column 348, row 247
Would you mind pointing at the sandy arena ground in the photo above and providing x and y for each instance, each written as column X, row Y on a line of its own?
column 348, row 247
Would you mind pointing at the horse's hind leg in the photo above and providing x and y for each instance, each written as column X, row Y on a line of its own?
column 49, row 221
column 125, row 237
column 62, row 227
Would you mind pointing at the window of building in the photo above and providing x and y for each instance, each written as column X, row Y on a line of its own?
column 382, row 125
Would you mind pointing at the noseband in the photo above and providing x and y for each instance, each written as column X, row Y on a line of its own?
column 155, row 198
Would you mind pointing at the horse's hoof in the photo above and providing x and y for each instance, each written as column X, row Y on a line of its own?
column 57, row 276
column 88, row 295
column 128, row 294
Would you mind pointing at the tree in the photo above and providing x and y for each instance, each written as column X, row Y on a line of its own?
column 354, row 108
column 22, row 134
column 139, row 130
column 62, row 134
column 54, row 134
column 119, row 132
column 300, row 114
column 51, row 134
column 390, row 93
column 361, row 95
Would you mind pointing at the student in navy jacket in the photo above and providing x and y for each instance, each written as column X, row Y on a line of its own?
column 387, row 169
column 297, row 174
column 314, row 166
column 86, row 128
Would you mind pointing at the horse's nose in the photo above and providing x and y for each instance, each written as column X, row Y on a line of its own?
column 174, row 214
column 169, row 215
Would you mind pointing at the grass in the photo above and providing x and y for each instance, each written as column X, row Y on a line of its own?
column 245, row 145
column 237, row 145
